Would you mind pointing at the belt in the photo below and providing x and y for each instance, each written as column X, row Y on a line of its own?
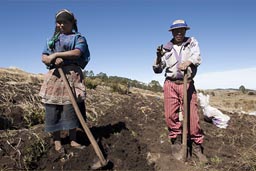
column 52, row 66
column 178, row 81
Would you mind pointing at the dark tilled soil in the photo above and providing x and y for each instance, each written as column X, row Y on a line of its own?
column 130, row 131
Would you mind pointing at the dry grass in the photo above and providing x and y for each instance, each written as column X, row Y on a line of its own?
column 147, row 92
column 232, row 100
column 246, row 160
column 19, row 95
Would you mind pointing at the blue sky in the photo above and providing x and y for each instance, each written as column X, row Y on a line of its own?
column 123, row 36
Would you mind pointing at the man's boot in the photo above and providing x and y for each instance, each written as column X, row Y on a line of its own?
column 176, row 147
column 198, row 152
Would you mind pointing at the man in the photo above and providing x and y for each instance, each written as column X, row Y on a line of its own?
column 180, row 54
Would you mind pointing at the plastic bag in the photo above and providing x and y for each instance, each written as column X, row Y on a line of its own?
column 213, row 114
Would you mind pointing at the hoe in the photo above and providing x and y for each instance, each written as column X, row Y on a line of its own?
column 103, row 162
column 185, row 119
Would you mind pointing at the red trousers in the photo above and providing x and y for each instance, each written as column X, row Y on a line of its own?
column 173, row 101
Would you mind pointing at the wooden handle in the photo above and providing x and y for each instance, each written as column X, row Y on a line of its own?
column 185, row 118
column 81, row 119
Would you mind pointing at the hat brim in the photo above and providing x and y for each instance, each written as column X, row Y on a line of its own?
column 173, row 28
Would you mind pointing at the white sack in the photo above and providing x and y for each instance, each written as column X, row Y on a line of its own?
column 218, row 118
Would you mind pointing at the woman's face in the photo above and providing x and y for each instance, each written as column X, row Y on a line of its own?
column 65, row 26
column 179, row 34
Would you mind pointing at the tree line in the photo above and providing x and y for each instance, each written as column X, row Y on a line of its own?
column 101, row 78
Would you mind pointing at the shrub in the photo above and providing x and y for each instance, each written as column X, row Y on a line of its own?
column 118, row 88
column 251, row 93
column 91, row 83
column 33, row 115
column 242, row 89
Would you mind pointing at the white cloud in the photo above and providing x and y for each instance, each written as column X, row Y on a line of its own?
column 222, row 79
column 227, row 79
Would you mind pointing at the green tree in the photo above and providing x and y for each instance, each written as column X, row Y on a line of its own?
column 103, row 76
column 242, row 89
column 155, row 86
column 88, row 73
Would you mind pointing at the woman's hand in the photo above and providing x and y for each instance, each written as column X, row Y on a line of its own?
column 58, row 61
column 48, row 59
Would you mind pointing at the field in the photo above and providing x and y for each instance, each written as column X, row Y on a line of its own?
column 129, row 128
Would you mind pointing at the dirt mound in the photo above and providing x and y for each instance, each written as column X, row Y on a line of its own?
column 130, row 130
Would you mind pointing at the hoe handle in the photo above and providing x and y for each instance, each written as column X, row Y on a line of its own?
column 185, row 118
column 81, row 119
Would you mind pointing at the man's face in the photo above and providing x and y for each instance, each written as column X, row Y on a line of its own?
column 179, row 34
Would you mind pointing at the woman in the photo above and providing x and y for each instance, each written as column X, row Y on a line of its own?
column 67, row 49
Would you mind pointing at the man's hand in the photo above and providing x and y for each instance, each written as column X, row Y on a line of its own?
column 159, row 54
column 159, row 51
column 183, row 66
